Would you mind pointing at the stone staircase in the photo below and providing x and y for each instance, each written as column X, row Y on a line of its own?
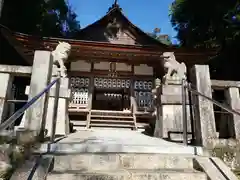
column 124, row 166
column 122, row 154
column 112, row 119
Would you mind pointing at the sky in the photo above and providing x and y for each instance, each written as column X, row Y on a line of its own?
column 147, row 15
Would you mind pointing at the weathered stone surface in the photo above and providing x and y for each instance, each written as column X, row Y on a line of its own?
column 34, row 118
column 226, row 170
column 212, row 170
column 104, row 164
column 130, row 175
column 205, row 128
column 103, row 161
column 169, row 123
column 16, row 70
column 172, row 100
column 5, row 93
column 114, row 141
column 233, row 99
column 173, row 122
column 5, row 163
column 62, row 121
column 221, row 84
column 34, row 168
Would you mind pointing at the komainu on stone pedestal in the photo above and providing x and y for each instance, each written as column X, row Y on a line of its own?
column 175, row 71
column 60, row 56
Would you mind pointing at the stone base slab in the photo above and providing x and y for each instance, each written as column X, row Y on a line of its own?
column 105, row 161
column 130, row 175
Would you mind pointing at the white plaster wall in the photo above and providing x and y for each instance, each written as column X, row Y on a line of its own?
column 143, row 69
column 123, row 67
column 80, row 66
column 101, row 66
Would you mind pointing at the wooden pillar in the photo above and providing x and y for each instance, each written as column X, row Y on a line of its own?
column 90, row 97
column 90, row 92
column 133, row 103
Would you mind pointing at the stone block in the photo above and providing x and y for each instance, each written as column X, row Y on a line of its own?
column 62, row 121
column 34, row 118
column 233, row 99
column 130, row 174
column 171, row 89
column 172, row 125
column 104, row 162
column 204, row 118
column 172, row 100
column 5, row 93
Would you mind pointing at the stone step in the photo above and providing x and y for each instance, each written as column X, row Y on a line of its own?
column 92, row 146
column 112, row 117
column 111, row 125
column 104, row 121
column 112, row 161
column 129, row 175
column 111, row 113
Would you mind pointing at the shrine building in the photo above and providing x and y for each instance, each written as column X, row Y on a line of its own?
column 112, row 69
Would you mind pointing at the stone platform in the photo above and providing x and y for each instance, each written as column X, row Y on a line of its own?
column 123, row 155
column 117, row 141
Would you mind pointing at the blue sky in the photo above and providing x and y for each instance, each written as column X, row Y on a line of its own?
column 145, row 14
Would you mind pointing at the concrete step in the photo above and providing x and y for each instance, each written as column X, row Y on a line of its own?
column 114, row 161
column 129, row 175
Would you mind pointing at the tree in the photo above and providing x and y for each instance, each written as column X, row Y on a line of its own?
column 210, row 24
column 40, row 17
column 162, row 38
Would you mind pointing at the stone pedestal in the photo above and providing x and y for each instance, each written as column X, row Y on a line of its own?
column 62, row 122
column 34, row 118
column 5, row 92
column 170, row 113
column 203, row 108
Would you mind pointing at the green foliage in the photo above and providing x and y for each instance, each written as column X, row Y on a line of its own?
column 205, row 23
column 40, row 17
column 162, row 38
column 210, row 24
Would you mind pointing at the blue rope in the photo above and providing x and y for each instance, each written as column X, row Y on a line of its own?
column 18, row 113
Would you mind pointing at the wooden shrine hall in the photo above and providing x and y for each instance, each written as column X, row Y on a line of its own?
column 112, row 68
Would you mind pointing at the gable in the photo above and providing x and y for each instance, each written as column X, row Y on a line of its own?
column 115, row 28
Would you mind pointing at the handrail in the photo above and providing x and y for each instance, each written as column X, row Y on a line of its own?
column 228, row 109
column 18, row 113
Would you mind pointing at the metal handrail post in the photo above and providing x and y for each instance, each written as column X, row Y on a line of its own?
column 55, row 109
column 184, row 113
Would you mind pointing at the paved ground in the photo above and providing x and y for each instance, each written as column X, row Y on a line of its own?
column 124, row 141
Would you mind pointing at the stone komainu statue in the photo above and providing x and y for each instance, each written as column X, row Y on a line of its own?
column 174, row 70
column 60, row 56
